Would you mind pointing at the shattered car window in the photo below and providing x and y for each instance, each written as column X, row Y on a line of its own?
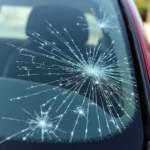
column 72, row 79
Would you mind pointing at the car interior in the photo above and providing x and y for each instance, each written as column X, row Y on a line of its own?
column 59, row 14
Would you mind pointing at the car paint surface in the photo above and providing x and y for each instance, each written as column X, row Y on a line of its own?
column 145, row 46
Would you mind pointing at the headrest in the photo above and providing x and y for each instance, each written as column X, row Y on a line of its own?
column 60, row 17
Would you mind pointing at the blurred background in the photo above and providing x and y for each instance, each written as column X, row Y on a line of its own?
column 13, row 19
column 144, row 10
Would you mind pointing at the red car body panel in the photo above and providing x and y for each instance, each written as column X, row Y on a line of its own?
column 145, row 46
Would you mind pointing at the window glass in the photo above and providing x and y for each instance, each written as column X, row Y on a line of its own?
column 72, row 79
column 13, row 20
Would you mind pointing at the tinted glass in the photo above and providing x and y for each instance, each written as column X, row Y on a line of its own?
column 67, row 75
